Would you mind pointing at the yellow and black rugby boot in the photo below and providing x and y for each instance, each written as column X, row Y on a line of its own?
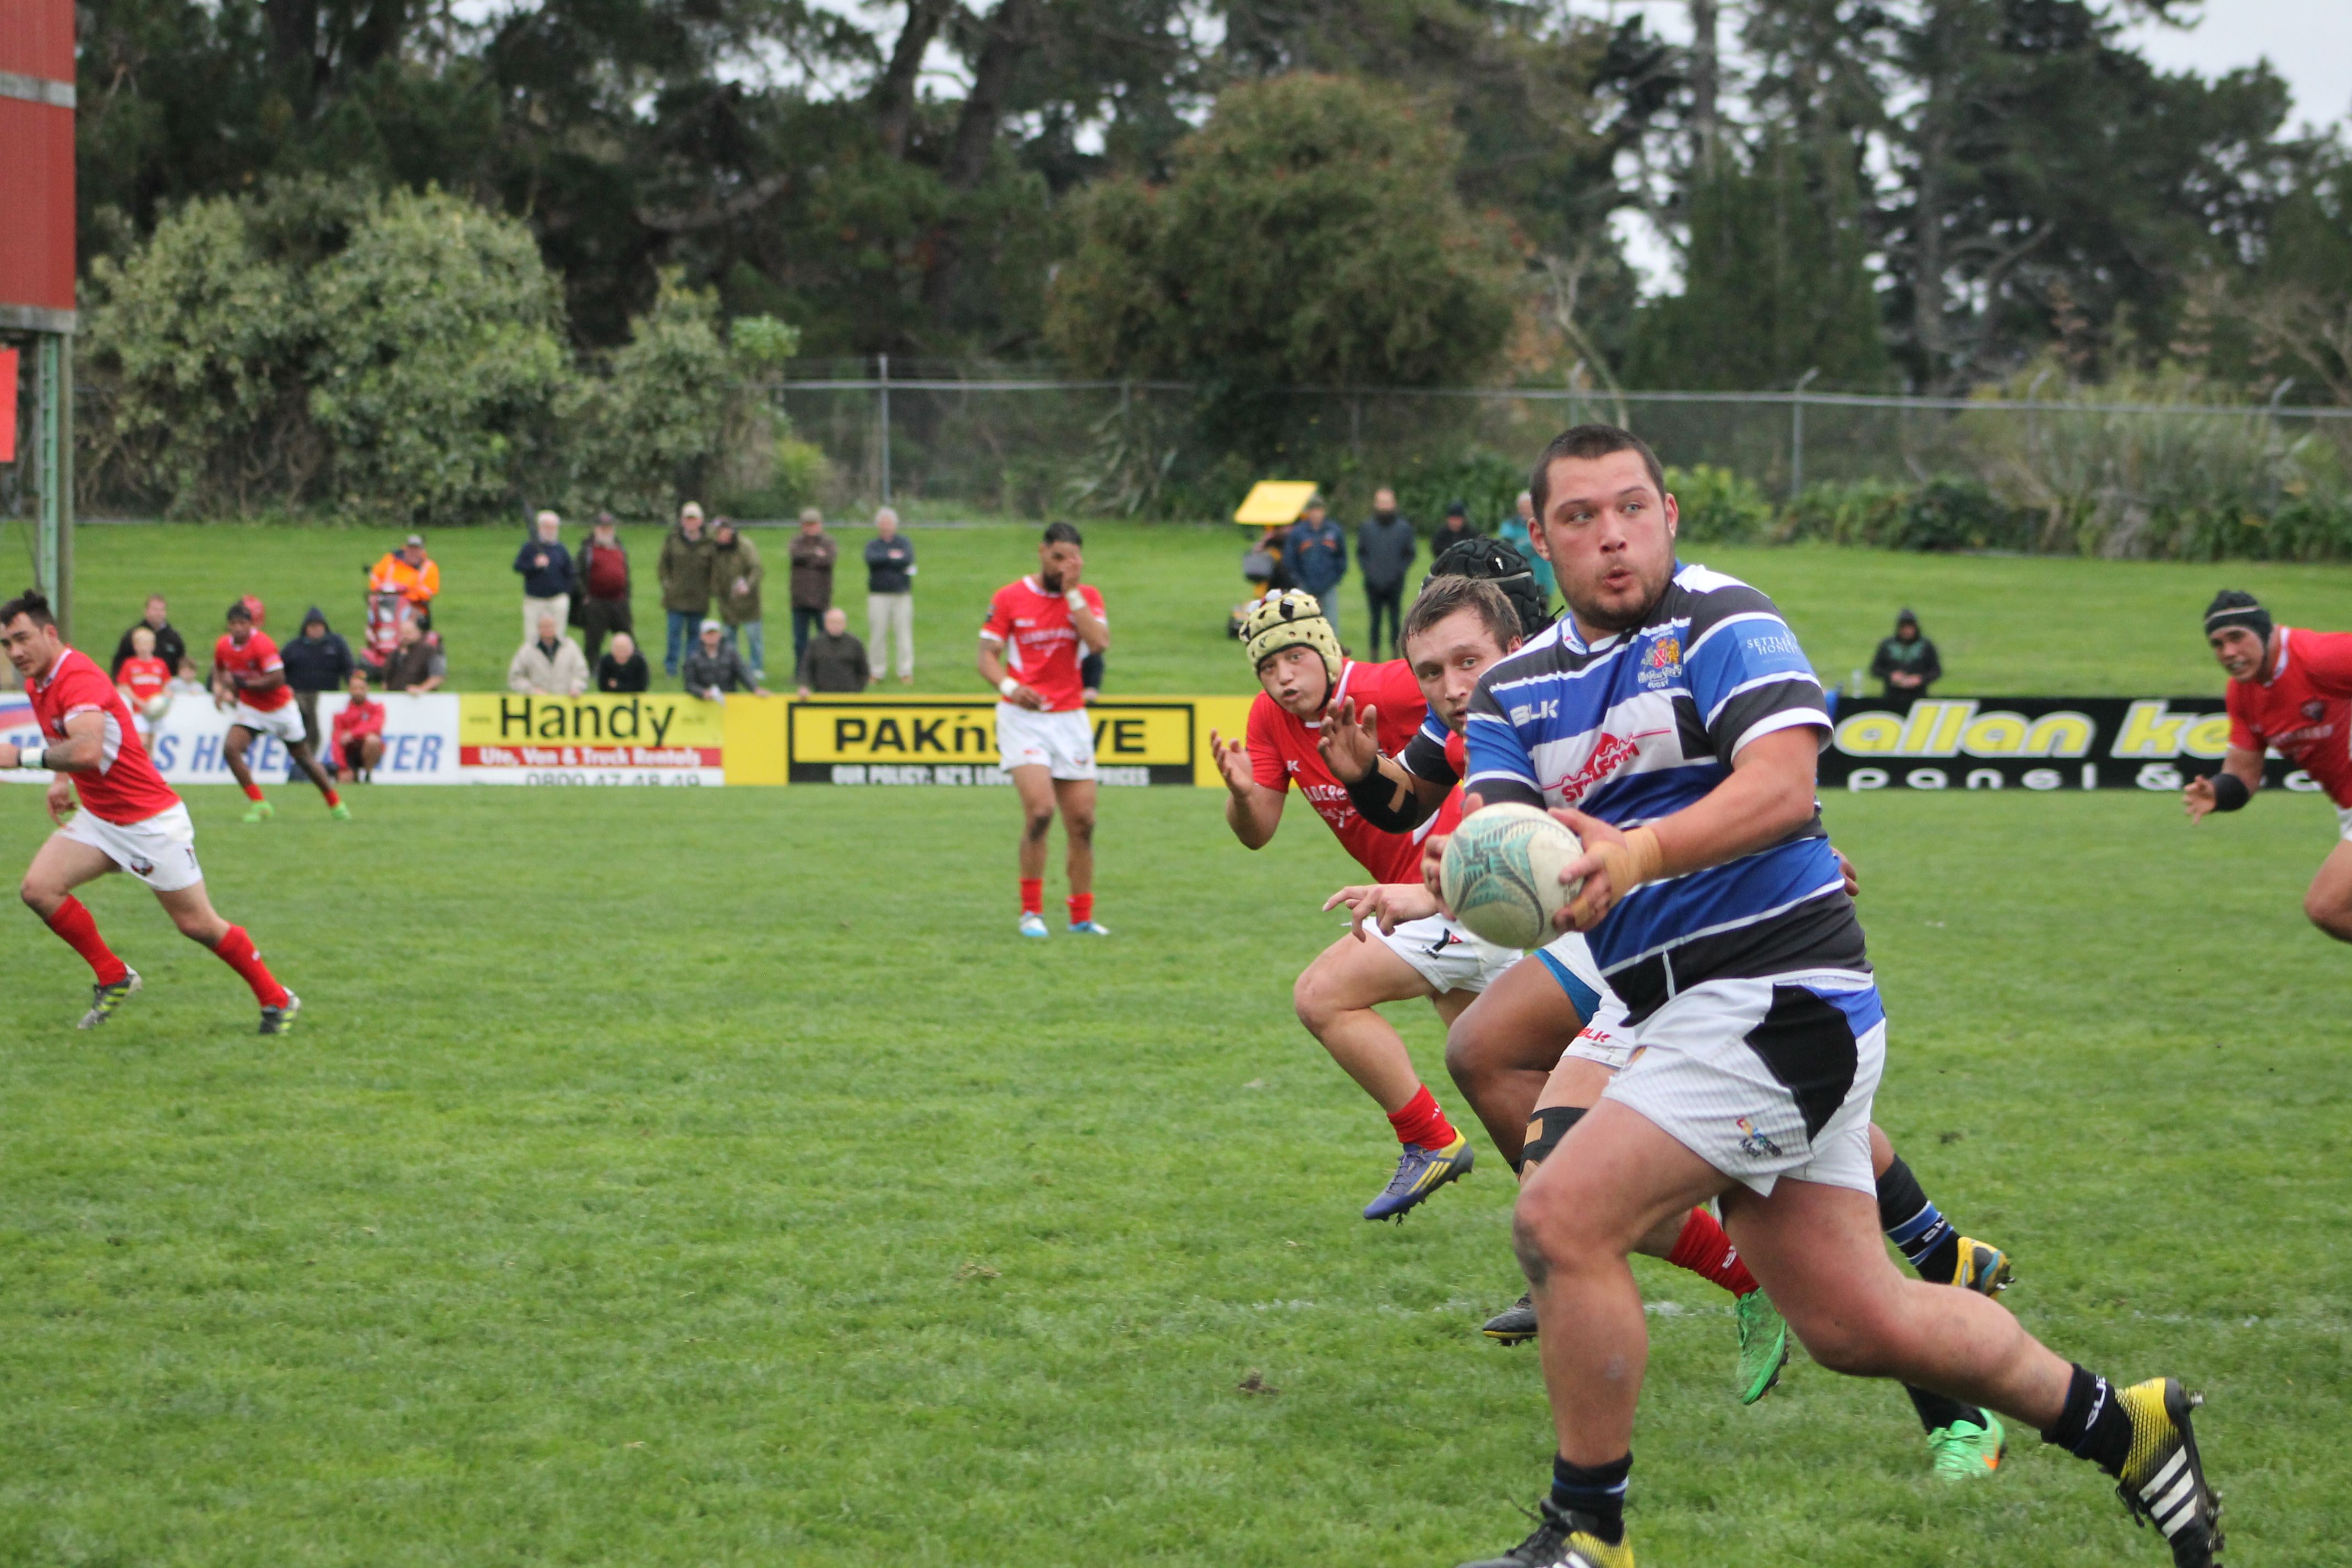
column 1562, row 1540
column 1982, row 1268
column 1420, row 1171
column 105, row 999
column 1515, row 1324
column 2163, row 1481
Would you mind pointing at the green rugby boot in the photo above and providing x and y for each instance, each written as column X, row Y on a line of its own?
column 1763, row 1345
column 259, row 811
column 1965, row 1452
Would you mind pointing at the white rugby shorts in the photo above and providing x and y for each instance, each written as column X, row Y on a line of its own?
column 286, row 722
column 2344, row 820
column 159, row 851
column 1767, row 1077
column 1606, row 1037
column 1062, row 742
column 1449, row 957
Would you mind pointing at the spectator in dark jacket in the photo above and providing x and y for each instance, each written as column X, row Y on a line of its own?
column 623, row 668
column 1385, row 546
column 546, row 569
column 1907, row 662
column 601, row 589
column 684, row 568
column 890, row 594
column 319, row 660
column 834, row 659
column 713, row 668
column 417, row 663
column 1317, row 555
column 1452, row 531
column 170, row 645
column 813, row 553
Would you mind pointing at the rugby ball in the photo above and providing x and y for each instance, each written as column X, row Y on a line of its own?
column 1501, row 874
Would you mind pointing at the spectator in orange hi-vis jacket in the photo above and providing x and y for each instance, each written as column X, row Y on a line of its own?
column 410, row 573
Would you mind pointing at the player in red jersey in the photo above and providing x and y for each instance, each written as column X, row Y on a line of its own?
column 2291, row 691
column 1030, row 646
column 249, row 685
column 1307, row 678
column 129, row 820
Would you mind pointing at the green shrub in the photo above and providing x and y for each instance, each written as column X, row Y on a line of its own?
column 1947, row 513
column 1719, row 507
column 1841, row 511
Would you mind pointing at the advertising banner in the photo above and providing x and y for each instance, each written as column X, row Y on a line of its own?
column 647, row 739
column 420, row 740
column 932, row 740
column 2032, row 742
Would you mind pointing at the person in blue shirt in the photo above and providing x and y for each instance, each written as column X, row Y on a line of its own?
column 1673, row 722
column 545, row 567
column 1316, row 555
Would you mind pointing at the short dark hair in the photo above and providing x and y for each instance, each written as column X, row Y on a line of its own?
column 240, row 610
column 1443, row 596
column 1587, row 442
column 1064, row 533
column 31, row 602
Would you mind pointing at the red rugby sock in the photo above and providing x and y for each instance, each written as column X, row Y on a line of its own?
column 1082, row 908
column 75, row 924
column 333, row 800
column 1033, row 895
column 236, row 951
column 1705, row 1251
column 1420, row 1121
column 253, row 791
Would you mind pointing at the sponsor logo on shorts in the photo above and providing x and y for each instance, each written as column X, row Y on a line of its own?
column 142, row 866
column 1754, row 1143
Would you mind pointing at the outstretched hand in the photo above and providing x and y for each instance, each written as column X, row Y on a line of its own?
column 1389, row 904
column 1232, row 764
column 2198, row 798
column 1351, row 747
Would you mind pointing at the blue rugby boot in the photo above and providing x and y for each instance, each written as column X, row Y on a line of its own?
column 1420, row 1171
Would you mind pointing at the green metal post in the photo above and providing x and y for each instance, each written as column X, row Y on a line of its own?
column 53, row 471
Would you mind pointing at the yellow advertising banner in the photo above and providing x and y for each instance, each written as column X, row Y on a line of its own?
column 949, row 740
column 650, row 737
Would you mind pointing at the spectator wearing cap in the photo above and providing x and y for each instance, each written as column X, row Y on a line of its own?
column 411, row 575
column 623, row 668
column 170, row 645
column 1385, row 546
column 890, row 595
column 1519, row 533
column 835, row 660
column 814, row 551
column 735, row 574
column 685, row 569
column 713, row 668
column 1452, row 531
column 1907, row 662
column 358, row 735
column 417, row 663
column 547, row 665
column 546, row 569
column 601, row 574
column 319, row 660
column 1317, row 555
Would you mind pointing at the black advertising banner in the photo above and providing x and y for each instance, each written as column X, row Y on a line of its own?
column 2032, row 742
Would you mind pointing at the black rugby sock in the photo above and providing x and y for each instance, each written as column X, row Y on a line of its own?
column 1936, row 1412
column 2094, row 1425
column 1917, row 1227
column 1598, row 1493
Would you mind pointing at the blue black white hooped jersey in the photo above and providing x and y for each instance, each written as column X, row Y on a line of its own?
column 1639, row 725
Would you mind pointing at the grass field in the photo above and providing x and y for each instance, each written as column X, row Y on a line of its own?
column 715, row 1180
column 2012, row 625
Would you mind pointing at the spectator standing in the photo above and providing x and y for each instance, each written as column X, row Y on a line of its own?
column 685, row 570
column 735, row 574
column 1385, row 546
column 834, row 659
column 417, row 663
column 410, row 575
column 713, row 668
column 1907, row 662
column 623, row 668
column 549, row 665
column 170, row 645
column 814, row 553
column 358, row 735
column 546, row 569
column 1517, row 531
column 1452, row 531
column 601, row 571
column 319, row 660
column 890, row 595
column 1317, row 555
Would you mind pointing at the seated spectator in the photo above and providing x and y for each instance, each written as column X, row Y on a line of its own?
column 358, row 735
column 623, row 668
column 835, row 660
column 713, row 668
column 1907, row 662
column 170, row 647
column 551, row 665
column 316, row 661
column 144, row 680
column 416, row 665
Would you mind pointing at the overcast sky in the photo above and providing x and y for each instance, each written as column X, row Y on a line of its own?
column 2309, row 42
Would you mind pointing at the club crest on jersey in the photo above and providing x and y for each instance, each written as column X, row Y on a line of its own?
column 2312, row 710
column 1754, row 1143
column 1662, row 664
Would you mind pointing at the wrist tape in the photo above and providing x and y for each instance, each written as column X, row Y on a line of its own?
column 1636, row 860
column 1007, row 687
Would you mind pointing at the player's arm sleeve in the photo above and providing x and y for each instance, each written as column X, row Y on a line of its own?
column 996, row 625
column 1501, row 770
column 1747, row 675
column 2326, row 660
column 1424, row 756
column 1265, row 756
column 1405, row 791
column 2242, row 733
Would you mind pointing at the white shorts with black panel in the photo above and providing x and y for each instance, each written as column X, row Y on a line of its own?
column 1448, row 956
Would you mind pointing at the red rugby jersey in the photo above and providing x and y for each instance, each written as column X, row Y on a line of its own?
column 258, row 656
column 126, row 788
column 1041, row 648
column 2303, row 709
column 1282, row 748
column 146, row 678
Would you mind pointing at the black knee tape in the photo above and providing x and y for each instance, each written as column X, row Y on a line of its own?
column 1550, row 1126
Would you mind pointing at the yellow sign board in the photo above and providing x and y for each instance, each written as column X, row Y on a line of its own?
column 935, row 740
column 1272, row 502
column 535, row 736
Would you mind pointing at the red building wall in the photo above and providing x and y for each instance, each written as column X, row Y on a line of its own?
column 37, row 171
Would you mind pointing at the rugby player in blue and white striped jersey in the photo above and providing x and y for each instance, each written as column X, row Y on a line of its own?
column 1673, row 721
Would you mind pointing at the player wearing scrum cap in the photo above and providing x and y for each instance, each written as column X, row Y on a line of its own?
column 2290, row 690
column 1038, row 630
column 1306, row 676
column 130, row 820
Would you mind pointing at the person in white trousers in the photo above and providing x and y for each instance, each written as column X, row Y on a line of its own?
column 890, row 596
